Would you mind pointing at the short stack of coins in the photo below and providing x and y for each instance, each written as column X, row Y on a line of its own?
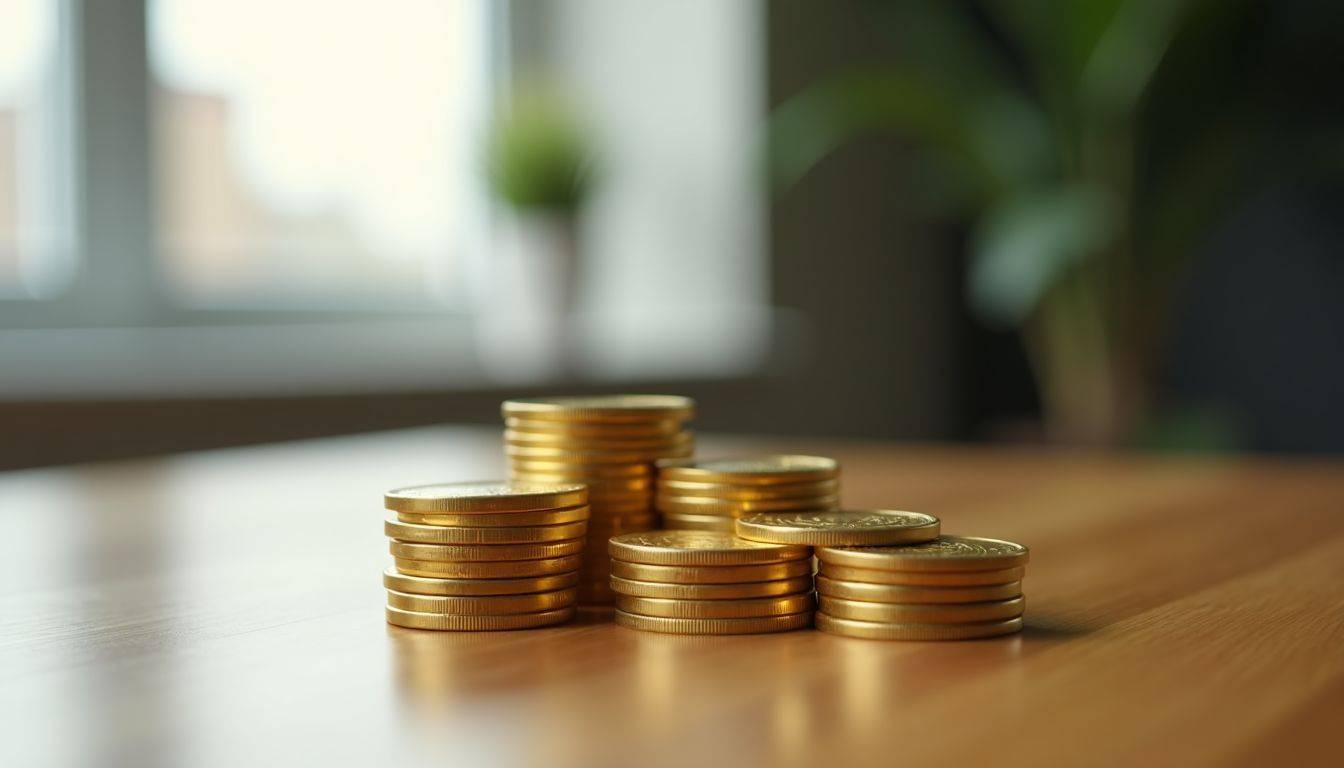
column 610, row 444
column 484, row 555
column 952, row 588
column 708, row 494
column 709, row 583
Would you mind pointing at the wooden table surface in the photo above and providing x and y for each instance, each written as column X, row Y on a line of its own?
column 226, row 607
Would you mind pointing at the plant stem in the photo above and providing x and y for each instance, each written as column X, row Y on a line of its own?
column 1073, row 358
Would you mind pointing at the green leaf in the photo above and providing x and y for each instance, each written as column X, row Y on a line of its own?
column 946, row 41
column 995, row 140
column 1127, row 54
column 1056, row 40
column 1197, row 428
column 537, row 156
column 1026, row 243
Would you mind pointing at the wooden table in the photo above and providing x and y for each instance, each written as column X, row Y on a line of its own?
column 226, row 608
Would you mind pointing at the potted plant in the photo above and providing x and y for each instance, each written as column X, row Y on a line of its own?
column 1030, row 116
column 538, row 163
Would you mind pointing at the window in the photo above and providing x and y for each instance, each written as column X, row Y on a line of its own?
column 36, row 255
column 309, row 150
column 204, row 197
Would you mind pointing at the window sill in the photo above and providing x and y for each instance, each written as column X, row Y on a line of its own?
column 435, row 353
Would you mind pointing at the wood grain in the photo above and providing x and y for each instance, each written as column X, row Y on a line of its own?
column 225, row 607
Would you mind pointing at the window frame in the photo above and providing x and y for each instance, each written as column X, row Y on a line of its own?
column 116, row 332
column 118, row 280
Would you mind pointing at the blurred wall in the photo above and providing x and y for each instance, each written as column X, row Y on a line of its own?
column 1256, row 348
column 879, row 290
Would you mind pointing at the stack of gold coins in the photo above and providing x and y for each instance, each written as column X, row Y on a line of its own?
column 709, row 583
column 608, row 443
column 484, row 555
column 952, row 588
column 708, row 494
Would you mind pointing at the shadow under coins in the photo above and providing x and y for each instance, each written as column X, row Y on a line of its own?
column 432, row 667
column 1052, row 629
column 744, row 697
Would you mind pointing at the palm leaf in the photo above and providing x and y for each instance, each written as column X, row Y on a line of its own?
column 995, row 140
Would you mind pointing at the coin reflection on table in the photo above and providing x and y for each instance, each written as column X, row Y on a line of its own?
column 438, row 670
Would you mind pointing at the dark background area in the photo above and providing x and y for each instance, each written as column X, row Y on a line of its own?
column 1256, row 342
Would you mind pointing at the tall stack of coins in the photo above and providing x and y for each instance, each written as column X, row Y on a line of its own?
column 709, row 583
column 610, row 444
column 952, row 588
column 708, row 494
column 484, row 555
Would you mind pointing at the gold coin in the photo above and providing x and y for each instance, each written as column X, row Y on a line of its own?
column 488, row 569
column 484, row 496
column 740, row 591
column 623, row 516
column 751, row 626
column 715, row 609
column 419, row 585
column 498, row 519
column 622, row 498
column 613, row 493
column 848, row 526
column 706, row 522
column 572, row 443
column 924, row 578
column 443, row 534
column 597, row 542
column 612, row 484
column 598, row 454
column 702, row 505
column 622, row 510
column 755, row 470
column 616, row 487
column 902, row 593
column 608, row 510
column 733, row 492
column 622, row 521
column 530, row 453
column 634, row 430
column 448, row 621
column 601, row 408
column 597, row 546
column 608, row 526
column 711, row 574
column 675, row 522
column 876, row 630
column 606, row 486
column 642, row 469
column 486, row 605
column 946, row 553
column 698, row 548
column 485, row 552
column 924, row 613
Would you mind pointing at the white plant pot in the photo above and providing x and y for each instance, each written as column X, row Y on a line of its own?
column 525, row 308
